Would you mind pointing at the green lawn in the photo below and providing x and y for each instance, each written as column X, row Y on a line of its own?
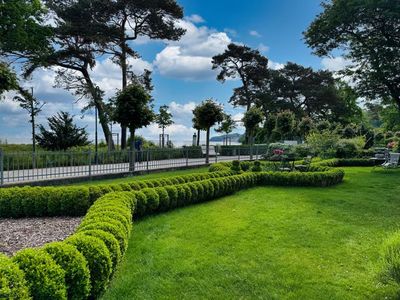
column 268, row 242
column 154, row 175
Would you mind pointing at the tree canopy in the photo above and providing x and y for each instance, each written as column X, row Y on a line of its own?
column 368, row 32
column 62, row 133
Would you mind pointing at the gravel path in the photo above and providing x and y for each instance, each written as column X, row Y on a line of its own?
column 16, row 234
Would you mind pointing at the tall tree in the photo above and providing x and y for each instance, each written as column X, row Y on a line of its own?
column 251, row 119
column 80, row 35
column 227, row 126
column 133, row 19
column 133, row 109
column 62, row 133
column 33, row 106
column 164, row 119
column 368, row 32
column 196, row 125
column 302, row 90
column 21, row 31
column 207, row 114
column 246, row 64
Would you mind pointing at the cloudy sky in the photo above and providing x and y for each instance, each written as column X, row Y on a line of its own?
column 182, row 74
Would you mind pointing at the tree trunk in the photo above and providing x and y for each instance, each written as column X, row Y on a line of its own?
column 98, row 102
column 124, row 70
column 208, row 146
column 162, row 138
column 132, row 151
column 251, row 144
column 198, row 137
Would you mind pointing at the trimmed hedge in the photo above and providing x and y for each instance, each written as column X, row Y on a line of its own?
column 45, row 279
column 77, row 275
column 346, row 162
column 13, row 285
column 75, row 200
column 83, row 264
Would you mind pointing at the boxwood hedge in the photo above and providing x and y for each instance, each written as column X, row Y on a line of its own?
column 81, row 266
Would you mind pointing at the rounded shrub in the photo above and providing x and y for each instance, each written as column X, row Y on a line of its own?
column 45, row 279
column 180, row 179
column 163, row 198
column 200, row 191
column 117, row 231
column 173, row 195
column 77, row 275
column 134, row 186
column 141, row 203
column 98, row 259
column 111, row 243
column 153, row 200
column 5, row 207
column 256, row 167
column 236, row 166
column 13, row 285
column 107, row 218
column 142, row 184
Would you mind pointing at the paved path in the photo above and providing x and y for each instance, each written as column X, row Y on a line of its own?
column 45, row 174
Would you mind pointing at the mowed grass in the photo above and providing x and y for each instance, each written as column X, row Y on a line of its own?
column 155, row 175
column 269, row 243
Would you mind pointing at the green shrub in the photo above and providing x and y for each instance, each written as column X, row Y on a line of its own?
column 98, row 259
column 193, row 192
column 45, row 279
column 153, row 200
column 256, row 167
column 164, row 201
column 173, row 196
column 111, row 243
column 236, row 166
column 141, row 203
column 245, row 166
column 13, row 285
column 116, row 230
column 77, row 275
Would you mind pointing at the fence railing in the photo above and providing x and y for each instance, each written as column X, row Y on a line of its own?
column 40, row 166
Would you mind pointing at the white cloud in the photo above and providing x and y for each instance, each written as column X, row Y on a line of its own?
column 190, row 57
column 262, row 48
column 335, row 63
column 254, row 33
column 275, row 66
column 195, row 19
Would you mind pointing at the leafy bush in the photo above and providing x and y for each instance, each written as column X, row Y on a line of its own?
column 153, row 199
column 323, row 143
column 164, row 201
column 173, row 195
column 245, row 165
column 77, row 275
column 111, row 243
column 45, row 279
column 256, row 167
column 236, row 166
column 98, row 258
column 13, row 285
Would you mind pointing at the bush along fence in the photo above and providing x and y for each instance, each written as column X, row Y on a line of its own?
column 82, row 266
column 42, row 166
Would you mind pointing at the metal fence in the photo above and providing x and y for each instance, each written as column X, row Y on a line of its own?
column 41, row 166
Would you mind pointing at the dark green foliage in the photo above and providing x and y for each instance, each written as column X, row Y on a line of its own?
column 98, row 259
column 63, row 133
column 153, row 199
column 141, row 203
column 13, row 285
column 163, row 199
column 45, row 279
column 173, row 196
column 236, row 167
column 256, row 167
column 77, row 275
column 245, row 165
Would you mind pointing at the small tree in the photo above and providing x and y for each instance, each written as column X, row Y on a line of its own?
column 304, row 127
column 133, row 109
column 164, row 119
column 198, row 128
column 207, row 114
column 63, row 133
column 251, row 120
column 33, row 107
column 285, row 123
column 227, row 126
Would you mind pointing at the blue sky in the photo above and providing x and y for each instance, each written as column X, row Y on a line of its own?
column 182, row 74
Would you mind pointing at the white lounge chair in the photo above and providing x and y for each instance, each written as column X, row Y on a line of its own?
column 211, row 151
column 393, row 161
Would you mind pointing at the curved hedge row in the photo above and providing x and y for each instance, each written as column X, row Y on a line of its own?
column 81, row 266
column 345, row 162
column 75, row 200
